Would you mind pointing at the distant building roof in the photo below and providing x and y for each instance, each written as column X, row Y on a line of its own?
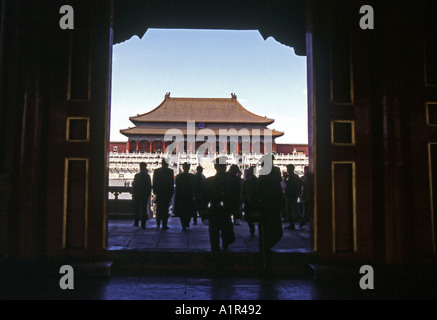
column 206, row 110
column 164, row 130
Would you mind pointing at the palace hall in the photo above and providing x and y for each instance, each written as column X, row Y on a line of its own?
column 234, row 128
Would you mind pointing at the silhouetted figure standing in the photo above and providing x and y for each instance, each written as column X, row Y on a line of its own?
column 272, row 203
column 306, row 196
column 184, row 196
column 142, row 188
column 250, row 199
column 234, row 174
column 163, row 188
column 293, row 189
column 199, row 180
column 219, row 198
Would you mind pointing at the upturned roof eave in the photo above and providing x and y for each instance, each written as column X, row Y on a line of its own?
column 267, row 121
column 133, row 118
column 126, row 132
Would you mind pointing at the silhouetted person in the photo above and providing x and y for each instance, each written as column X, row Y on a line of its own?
column 199, row 180
column 292, row 191
column 219, row 198
column 234, row 174
column 271, row 203
column 142, row 188
column 250, row 199
column 184, row 196
column 284, row 182
column 306, row 196
column 163, row 188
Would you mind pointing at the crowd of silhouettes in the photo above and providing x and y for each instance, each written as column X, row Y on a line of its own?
column 220, row 200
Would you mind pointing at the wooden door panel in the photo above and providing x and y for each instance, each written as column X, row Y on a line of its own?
column 339, row 123
column 80, row 123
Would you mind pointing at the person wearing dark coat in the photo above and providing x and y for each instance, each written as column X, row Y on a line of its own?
column 220, row 199
column 292, row 191
column 306, row 196
column 271, row 205
column 184, row 196
column 199, row 180
column 163, row 188
column 142, row 188
column 250, row 199
column 235, row 181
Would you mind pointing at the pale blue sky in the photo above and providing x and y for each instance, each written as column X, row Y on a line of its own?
column 267, row 77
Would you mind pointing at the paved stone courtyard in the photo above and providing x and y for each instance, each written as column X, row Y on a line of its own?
column 124, row 236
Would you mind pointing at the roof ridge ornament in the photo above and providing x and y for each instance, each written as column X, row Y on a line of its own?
column 167, row 95
column 233, row 96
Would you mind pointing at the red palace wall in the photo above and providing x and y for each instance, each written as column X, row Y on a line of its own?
column 121, row 146
column 280, row 148
column 288, row 148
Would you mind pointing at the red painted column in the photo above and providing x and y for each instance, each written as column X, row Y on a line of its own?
column 138, row 142
column 163, row 146
column 150, row 146
column 128, row 146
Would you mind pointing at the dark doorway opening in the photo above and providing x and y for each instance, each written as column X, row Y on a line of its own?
column 124, row 161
